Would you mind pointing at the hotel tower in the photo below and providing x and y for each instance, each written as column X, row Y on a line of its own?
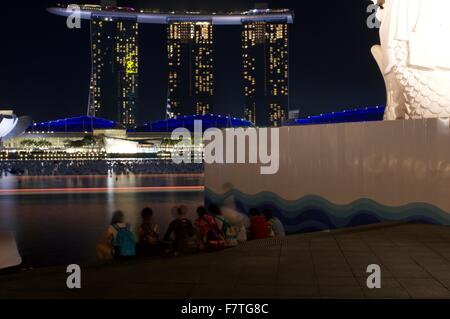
column 265, row 58
column 190, row 58
column 190, row 62
column 115, row 68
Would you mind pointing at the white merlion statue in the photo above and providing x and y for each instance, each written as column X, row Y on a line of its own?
column 414, row 57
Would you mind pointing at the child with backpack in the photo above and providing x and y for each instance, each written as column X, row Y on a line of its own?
column 276, row 228
column 185, row 240
column 224, row 225
column 210, row 234
column 118, row 240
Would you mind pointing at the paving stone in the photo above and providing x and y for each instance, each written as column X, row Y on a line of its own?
column 360, row 270
column 338, row 281
column 330, row 271
column 425, row 288
column 213, row 291
column 298, row 291
column 341, row 292
column 299, row 278
column 443, row 277
column 218, row 278
column 408, row 271
column 245, row 291
column 414, row 261
column 390, row 288
column 296, row 269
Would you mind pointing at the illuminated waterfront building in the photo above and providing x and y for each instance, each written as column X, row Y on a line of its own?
column 265, row 58
column 190, row 62
column 115, row 69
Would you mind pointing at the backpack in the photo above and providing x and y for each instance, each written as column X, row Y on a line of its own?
column 149, row 237
column 214, row 237
column 123, row 243
column 190, row 240
column 271, row 230
column 228, row 231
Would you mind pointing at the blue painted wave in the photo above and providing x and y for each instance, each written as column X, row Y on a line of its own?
column 315, row 213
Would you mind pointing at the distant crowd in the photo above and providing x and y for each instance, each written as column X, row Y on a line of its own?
column 95, row 167
column 214, row 229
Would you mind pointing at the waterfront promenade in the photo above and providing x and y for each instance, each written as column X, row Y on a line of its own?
column 414, row 258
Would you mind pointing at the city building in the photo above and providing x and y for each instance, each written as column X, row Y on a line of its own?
column 115, row 68
column 265, row 55
column 11, row 125
column 187, row 122
column 190, row 62
column 190, row 88
column 367, row 114
column 91, row 138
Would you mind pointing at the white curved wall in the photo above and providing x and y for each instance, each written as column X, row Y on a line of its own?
column 393, row 163
column 7, row 125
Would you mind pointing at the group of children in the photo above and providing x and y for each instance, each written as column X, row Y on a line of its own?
column 214, row 229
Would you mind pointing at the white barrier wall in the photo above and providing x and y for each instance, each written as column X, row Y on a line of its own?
column 342, row 175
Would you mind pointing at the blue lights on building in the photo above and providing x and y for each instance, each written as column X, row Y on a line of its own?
column 208, row 121
column 74, row 124
column 89, row 123
column 368, row 114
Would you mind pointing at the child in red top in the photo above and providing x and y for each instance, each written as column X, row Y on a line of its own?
column 259, row 228
column 210, row 234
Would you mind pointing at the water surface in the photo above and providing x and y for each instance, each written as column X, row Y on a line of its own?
column 59, row 219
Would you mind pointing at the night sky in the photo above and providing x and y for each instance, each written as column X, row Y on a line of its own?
column 45, row 67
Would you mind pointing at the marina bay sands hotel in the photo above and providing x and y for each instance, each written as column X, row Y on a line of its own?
column 115, row 60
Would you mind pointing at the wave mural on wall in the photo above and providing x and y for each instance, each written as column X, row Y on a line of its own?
column 315, row 213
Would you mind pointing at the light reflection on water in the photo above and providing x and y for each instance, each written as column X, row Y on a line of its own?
column 62, row 228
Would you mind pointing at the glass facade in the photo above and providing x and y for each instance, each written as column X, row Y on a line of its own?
column 265, row 57
column 115, row 69
column 114, row 86
column 190, row 62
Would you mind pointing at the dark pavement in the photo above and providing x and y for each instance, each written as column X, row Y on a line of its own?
column 414, row 261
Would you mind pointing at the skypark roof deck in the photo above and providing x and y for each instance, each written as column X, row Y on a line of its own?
column 156, row 17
